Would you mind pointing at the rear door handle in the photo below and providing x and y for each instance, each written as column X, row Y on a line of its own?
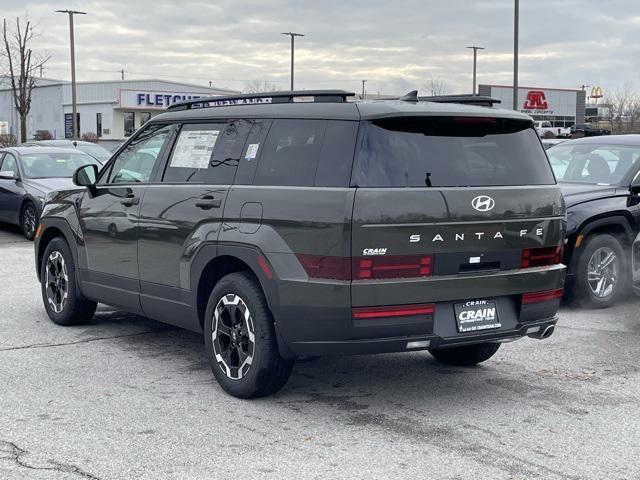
column 207, row 202
column 130, row 201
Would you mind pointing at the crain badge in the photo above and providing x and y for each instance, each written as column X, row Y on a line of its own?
column 374, row 251
column 483, row 203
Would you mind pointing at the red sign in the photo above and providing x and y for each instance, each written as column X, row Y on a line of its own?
column 536, row 100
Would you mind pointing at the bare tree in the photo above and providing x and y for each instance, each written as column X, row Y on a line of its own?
column 258, row 86
column 436, row 87
column 22, row 66
column 620, row 103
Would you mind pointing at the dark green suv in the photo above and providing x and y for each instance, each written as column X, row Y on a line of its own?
column 301, row 224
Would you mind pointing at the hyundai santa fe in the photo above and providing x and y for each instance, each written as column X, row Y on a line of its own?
column 302, row 224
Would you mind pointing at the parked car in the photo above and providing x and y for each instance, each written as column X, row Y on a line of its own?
column 544, row 127
column 98, row 152
column 589, row 130
column 599, row 180
column 27, row 175
column 282, row 228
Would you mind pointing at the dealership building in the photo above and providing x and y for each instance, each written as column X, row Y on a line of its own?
column 112, row 110
column 562, row 107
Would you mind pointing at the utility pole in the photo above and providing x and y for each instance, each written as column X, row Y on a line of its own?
column 122, row 74
column 516, row 33
column 363, row 82
column 74, row 108
column 475, row 61
column 293, row 36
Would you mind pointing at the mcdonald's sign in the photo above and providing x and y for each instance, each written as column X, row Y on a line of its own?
column 596, row 92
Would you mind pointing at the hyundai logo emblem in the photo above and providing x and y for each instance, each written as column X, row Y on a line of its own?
column 483, row 203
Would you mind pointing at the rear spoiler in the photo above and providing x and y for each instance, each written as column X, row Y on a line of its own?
column 478, row 100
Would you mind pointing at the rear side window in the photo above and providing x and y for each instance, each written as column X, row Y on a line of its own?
column 450, row 152
column 206, row 153
column 291, row 153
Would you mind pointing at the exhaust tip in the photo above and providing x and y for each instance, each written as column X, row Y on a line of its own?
column 547, row 332
column 540, row 333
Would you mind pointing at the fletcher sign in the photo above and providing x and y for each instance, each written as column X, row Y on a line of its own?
column 154, row 100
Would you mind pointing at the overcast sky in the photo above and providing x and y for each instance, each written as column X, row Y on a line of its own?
column 396, row 45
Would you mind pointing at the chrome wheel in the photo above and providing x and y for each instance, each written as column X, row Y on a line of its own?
column 29, row 220
column 233, row 336
column 602, row 272
column 56, row 281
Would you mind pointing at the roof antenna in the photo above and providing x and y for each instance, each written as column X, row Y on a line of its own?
column 412, row 96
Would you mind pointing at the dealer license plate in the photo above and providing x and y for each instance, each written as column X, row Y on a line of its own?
column 476, row 315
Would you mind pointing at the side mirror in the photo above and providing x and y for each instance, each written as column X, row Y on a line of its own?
column 635, row 189
column 86, row 176
column 8, row 175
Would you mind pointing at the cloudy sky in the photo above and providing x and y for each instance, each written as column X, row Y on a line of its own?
column 395, row 45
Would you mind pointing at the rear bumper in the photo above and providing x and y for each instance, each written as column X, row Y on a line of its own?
column 415, row 342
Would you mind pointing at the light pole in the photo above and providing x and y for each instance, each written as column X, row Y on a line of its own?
column 293, row 36
column 516, row 24
column 74, row 109
column 475, row 61
column 363, row 82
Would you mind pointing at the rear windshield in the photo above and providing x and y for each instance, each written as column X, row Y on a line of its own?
column 450, row 152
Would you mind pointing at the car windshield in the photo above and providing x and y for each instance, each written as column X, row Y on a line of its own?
column 54, row 165
column 96, row 151
column 594, row 164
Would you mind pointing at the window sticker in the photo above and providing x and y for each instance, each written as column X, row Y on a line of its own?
column 252, row 151
column 194, row 149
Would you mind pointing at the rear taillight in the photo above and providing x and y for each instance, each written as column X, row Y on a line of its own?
column 363, row 313
column 396, row 266
column 541, row 257
column 369, row 268
column 537, row 297
column 334, row 268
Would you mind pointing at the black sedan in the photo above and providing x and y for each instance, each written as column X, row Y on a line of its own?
column 27, row 174
column 600, row 179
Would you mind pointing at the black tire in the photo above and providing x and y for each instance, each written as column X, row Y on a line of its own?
column 268, row 372
column 467, row 355
column 581, row 291
column 72, row 310
column 29, row 219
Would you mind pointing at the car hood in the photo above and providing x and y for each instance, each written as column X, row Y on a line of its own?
column 46, row 185
column 578, row 193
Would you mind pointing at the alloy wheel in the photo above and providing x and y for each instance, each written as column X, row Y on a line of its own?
column 602, row 272
column 29, row 220
column 233, row 336
column 56, row 281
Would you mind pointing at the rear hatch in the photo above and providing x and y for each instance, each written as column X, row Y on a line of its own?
column 464, row 200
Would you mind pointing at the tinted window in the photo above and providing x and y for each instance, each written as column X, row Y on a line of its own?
column 291, row 153
column 592, row 163
column 54, row 165
column 135, row 163
column 336, row 159
column 455, row 151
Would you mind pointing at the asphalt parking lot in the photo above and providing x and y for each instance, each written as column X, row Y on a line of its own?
column 128, row 398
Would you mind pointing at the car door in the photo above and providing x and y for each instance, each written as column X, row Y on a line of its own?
column 109, row 217
column 182, row 210
column 11, row 190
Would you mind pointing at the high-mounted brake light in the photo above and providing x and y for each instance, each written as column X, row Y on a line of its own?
column 363, row 313
column 367, row 268
column 541, row 257
column 537, row 297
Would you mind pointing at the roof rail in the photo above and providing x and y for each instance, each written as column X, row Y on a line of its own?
column 291, row 96
column 468, row 99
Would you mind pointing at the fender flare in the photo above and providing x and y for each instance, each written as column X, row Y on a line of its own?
column 248, row 254
column 620, row 220
column 64, row 227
